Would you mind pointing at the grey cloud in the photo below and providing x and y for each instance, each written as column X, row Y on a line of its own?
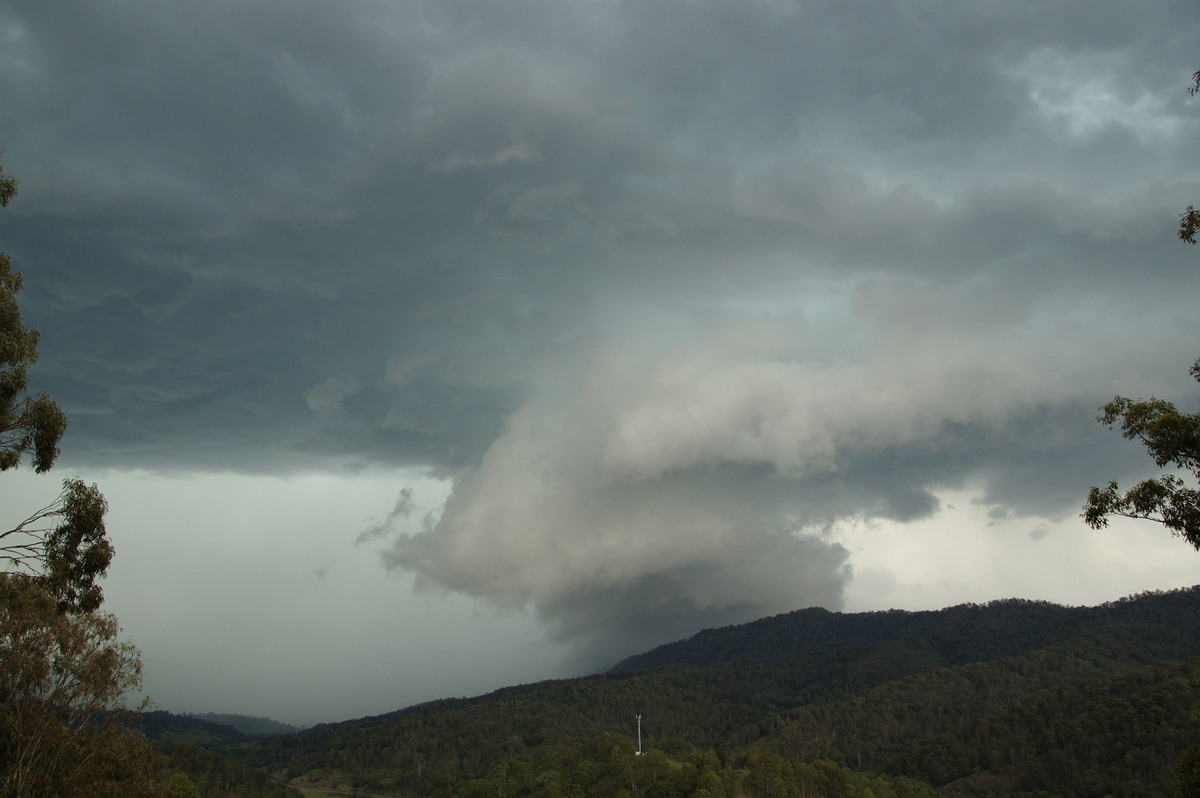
column 328, row 396
column 670, row 289
column 403, row 509
column 600, row 558
column 713, row 479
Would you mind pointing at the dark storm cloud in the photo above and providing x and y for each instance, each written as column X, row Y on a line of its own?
column 669, row 289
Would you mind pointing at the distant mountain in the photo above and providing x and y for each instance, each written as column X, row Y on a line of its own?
column 209, row 729
column 172, row 728
column 1011, row 697
column 249, row 724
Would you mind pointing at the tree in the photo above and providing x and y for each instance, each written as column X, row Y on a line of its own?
column 63, row 672
column 1189, row 773
column 1172, row 438
column 64, row 546
column 1189, row 224
column 1189, row 220
column 28, row 424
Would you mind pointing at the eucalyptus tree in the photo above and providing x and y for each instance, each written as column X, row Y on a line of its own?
column 64, row 546
column 1173, row 440
column 63, row 671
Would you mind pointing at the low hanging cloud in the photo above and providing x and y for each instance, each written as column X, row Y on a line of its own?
column 671, row 491
column 541, row 525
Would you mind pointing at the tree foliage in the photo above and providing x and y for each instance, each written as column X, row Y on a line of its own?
column 1189, row 773
column 1015, row 696
column 63, row 672
column 1189, row 220
column 28, row 424
column 1189, row 223
column 64, row 547
column 1172, row 439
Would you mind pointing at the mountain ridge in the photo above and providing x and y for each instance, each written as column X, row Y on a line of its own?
column 864, row 690
column 804, row 631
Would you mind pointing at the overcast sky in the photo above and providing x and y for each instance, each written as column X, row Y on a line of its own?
column 423, row 348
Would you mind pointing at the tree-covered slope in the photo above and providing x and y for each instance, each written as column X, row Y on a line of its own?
column 963, row 633
column 1120, row 734
column 172, row 728
column 876, row 691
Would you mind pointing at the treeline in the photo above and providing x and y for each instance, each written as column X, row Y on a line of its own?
column 1006, row 698
column 970, row 730
column 1089, row 735
column 213, row 774
column 608, row 765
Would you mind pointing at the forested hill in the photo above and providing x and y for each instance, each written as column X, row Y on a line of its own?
column 1008, row 698
column 952, row 636
column 249, row 724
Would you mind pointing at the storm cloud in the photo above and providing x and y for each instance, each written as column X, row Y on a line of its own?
column 667, row 296
column 677, row 488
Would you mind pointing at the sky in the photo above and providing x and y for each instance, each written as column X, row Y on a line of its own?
column 427, row 347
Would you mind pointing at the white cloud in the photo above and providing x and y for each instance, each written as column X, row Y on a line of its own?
column 545, row 521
